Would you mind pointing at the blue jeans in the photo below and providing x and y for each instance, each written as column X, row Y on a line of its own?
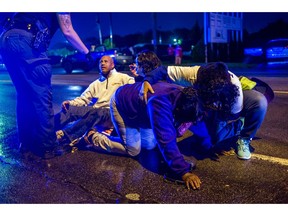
column 30, row 72
column 254, row 110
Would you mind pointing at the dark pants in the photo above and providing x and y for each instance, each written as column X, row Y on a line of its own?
column 83, row 118
column 30, row 72
column 254, row 111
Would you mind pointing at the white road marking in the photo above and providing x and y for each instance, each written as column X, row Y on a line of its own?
column 281, row 161
column 280, row 92
column 5, row 81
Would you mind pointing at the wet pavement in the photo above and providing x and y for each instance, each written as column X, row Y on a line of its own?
column 89, row 177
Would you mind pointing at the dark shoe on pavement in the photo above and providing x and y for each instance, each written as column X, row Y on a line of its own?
column 81, row 144
column 62, row 138
column 49, row 153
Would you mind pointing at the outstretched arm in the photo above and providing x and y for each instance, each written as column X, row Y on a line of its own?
column 65, row 23
column 161, row 118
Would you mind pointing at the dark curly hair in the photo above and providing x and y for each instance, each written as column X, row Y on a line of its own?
column 148, row 61
column 213, row 71
column 215, row 88
column 188, row 108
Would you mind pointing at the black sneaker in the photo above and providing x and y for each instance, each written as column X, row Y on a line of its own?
column 62, row 138
column 49, row 153
column 81, row 144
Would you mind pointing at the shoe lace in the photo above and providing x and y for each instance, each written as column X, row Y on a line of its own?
column 243, row 144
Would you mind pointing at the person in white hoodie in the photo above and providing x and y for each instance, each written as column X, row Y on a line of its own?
column 225, row 115
column 91, row 108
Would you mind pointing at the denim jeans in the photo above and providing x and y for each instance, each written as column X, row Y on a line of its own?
column 254, row 110
column 30, row 72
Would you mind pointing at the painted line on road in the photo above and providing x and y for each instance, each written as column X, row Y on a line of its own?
column 5, row 81
column 281, row 92
column 281, row 161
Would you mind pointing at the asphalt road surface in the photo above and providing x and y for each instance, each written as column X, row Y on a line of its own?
column 89, row 177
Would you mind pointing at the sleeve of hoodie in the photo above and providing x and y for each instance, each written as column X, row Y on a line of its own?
column 161, row 117
column 86, row 97
column 156, row 75
column 128, row 79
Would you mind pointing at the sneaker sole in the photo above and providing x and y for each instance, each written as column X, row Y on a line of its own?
column 74, row 142
column 244, row 158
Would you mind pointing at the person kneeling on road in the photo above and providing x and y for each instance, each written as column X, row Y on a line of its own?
column 168, row 107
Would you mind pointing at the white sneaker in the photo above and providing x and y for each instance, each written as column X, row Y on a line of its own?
column 243, row 151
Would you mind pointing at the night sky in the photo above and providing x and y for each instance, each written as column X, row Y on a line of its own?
column 129, row 23
column 134, row 16
column 124, row 23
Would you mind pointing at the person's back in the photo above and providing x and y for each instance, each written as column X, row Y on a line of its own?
column 131, row 107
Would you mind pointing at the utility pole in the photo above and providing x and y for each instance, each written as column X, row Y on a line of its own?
column 205, row 36
column 99, row 29
column 111, row 34
column 154, row 30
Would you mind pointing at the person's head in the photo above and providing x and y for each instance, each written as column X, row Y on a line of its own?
column 215, row 88
column 106, row 64
column 147, row 61
column 188, row 108
column 212, row 72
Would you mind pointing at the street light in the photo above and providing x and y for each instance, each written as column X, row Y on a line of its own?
column 175, row 41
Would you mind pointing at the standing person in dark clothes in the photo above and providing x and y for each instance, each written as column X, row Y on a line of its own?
column 24, row 42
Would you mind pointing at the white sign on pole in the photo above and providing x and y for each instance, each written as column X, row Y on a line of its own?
column 220, row 24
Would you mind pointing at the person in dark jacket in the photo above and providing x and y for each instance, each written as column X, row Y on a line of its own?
column 134, row 121
column 23, row 43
